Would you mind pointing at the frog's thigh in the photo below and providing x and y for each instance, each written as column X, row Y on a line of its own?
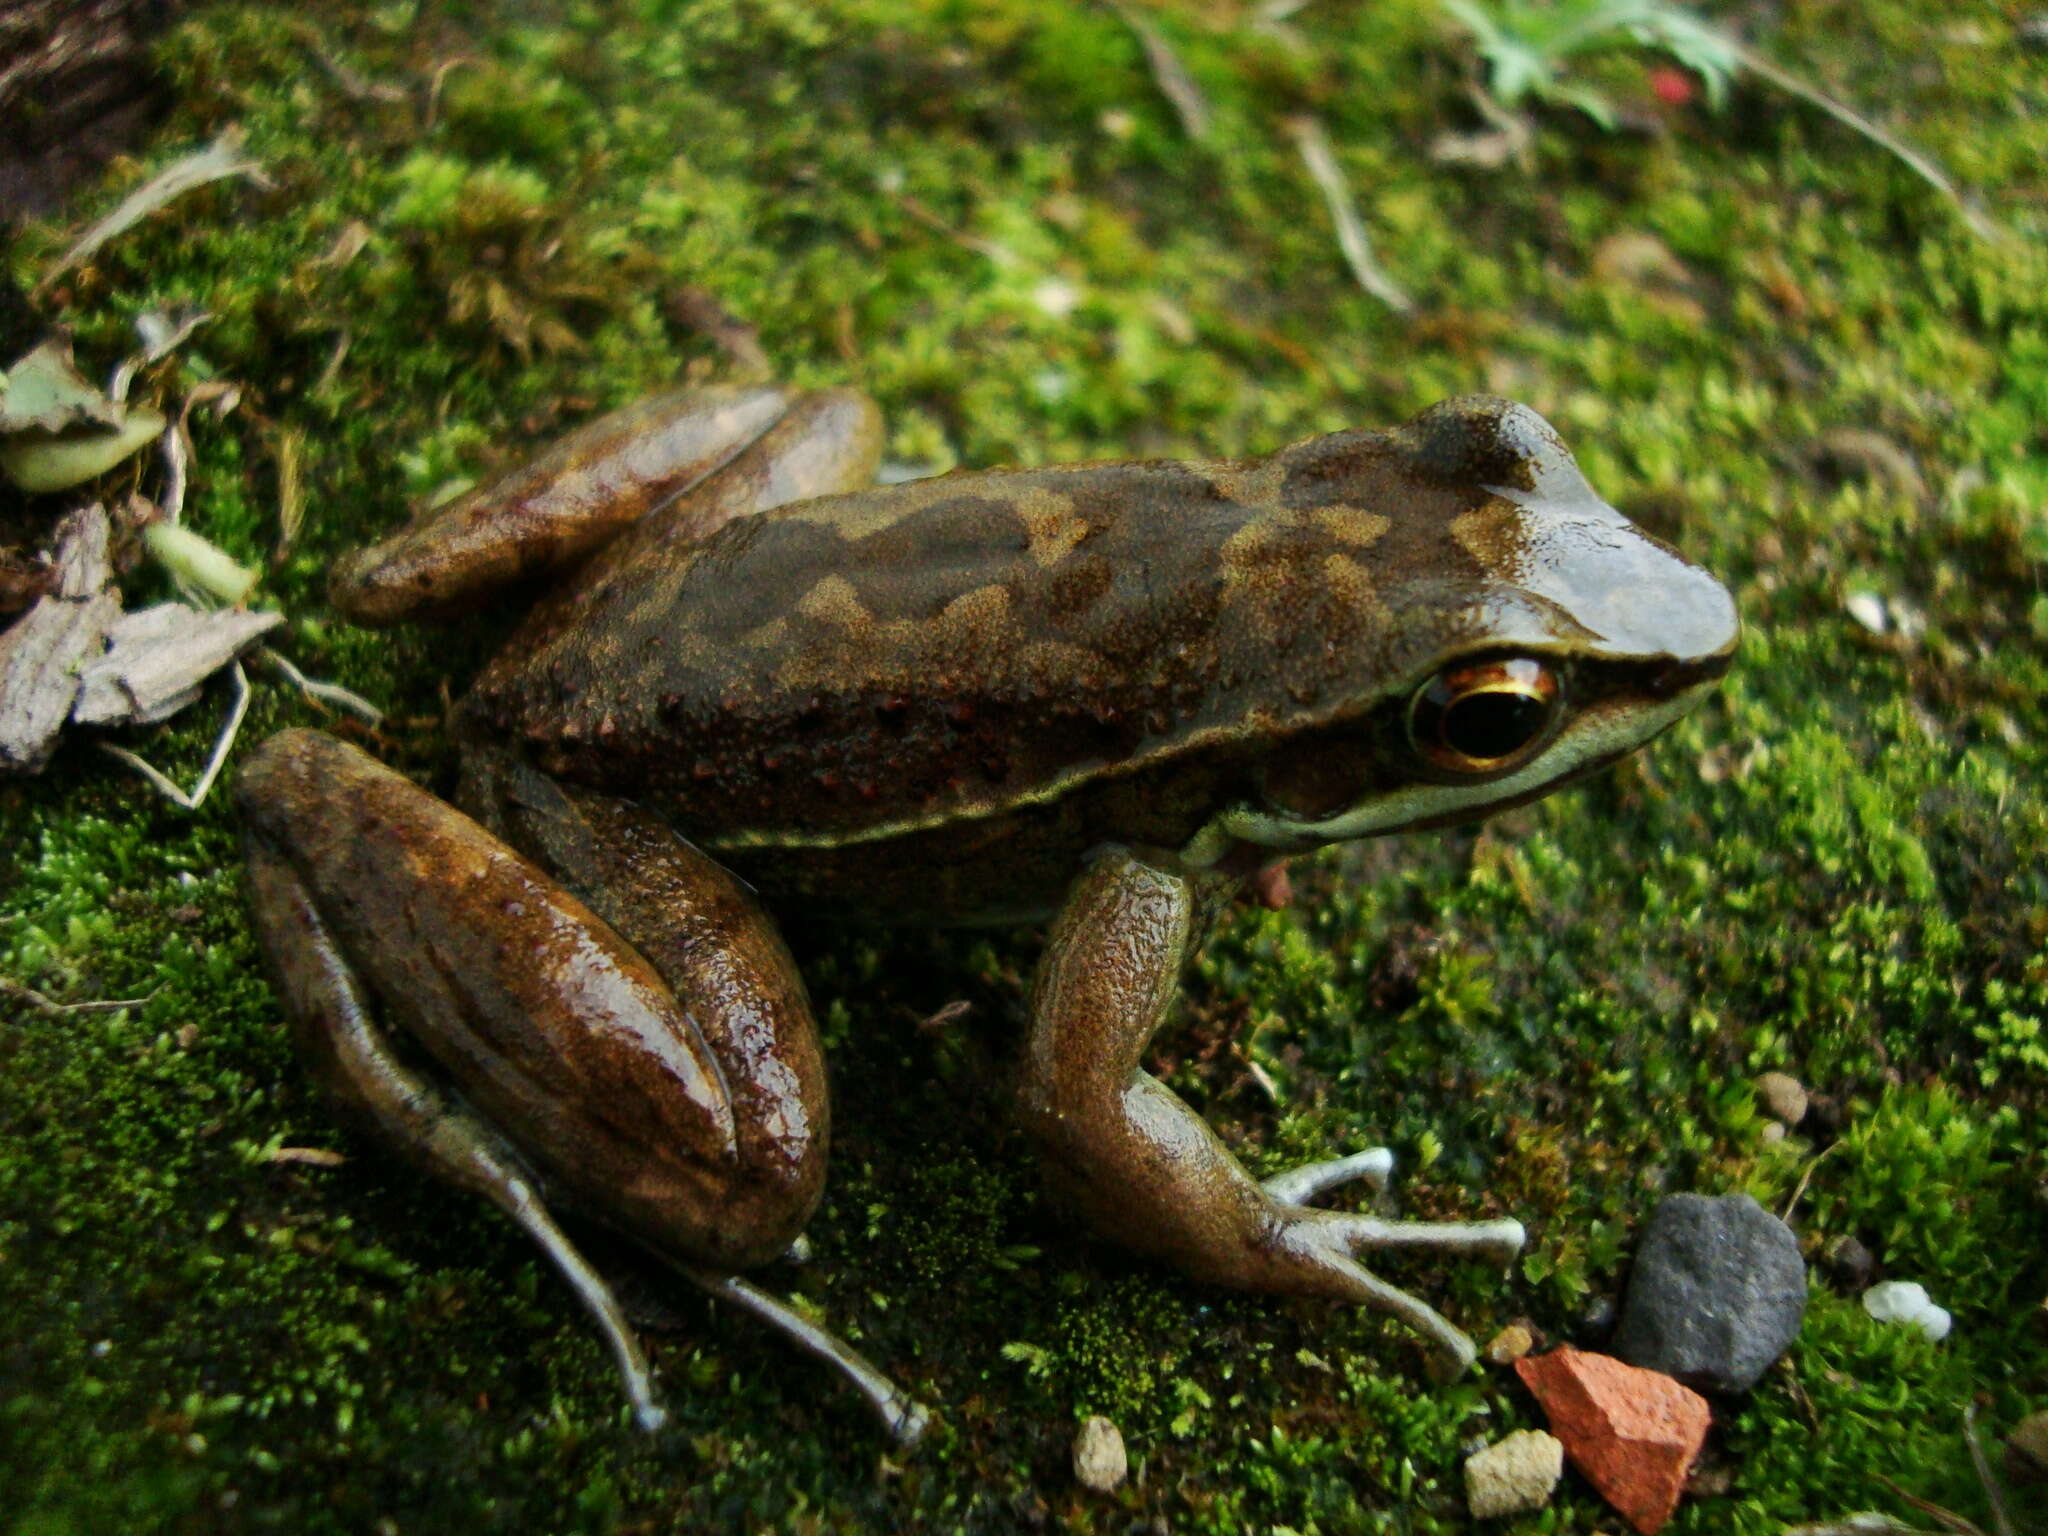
column 702, row 929
column 553, row 1029
column 1145, row 1169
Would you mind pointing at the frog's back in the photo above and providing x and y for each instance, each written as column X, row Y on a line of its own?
column 867, row 665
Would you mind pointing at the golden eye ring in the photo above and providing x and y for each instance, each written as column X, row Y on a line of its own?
column 1485, row 716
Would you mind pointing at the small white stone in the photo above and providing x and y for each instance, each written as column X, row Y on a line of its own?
column 1056, row 297
column 1099, row 1461
column 1515, row 1476
column 1907, row 1301
column 1867, row 609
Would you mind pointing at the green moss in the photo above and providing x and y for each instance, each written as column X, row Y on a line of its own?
column 987, row 215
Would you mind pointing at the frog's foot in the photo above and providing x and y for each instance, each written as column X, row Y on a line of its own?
column 1328, row 1241
column 1298, row 1186
column 1345, row 1234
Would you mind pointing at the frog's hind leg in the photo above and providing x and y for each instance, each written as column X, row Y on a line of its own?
column 699, row 926
column 362, row 1072
column 677, row 1098
column 1144, row 1168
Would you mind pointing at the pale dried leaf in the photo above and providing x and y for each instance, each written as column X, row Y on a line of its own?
column 157, row 658
column 348, row 245
column 310, row 1157
column 40, row 463
column 161, row 334
column 290, row 446
column 42, row 656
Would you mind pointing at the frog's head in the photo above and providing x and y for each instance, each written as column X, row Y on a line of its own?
column 1529, row 635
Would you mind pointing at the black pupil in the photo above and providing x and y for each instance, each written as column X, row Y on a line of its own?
column 1489, row 725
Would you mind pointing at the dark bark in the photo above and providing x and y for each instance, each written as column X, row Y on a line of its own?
column 75, row 88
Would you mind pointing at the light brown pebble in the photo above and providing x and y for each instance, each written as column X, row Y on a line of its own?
column 1099, row 1461
column 1509, row 1345
column 1514, row 1476
column 1784, row 1096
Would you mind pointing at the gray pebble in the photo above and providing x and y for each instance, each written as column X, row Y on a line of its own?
column 1716, row 1294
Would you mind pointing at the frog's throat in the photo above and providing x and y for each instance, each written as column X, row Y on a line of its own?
column 1592, row 739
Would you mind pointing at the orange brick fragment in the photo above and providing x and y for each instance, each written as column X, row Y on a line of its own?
column 1633, row 1433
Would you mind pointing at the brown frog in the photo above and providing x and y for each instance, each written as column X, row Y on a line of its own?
column 1100, row 693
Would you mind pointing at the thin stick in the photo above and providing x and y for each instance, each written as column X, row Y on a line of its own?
column 214, row 764
column 1908, row 156
column 1994, row 1492
column 1169, row 74
column 319, row 692
column 1805, row 1179
column 1352, row 240
column 36, row 999
column 221, row 158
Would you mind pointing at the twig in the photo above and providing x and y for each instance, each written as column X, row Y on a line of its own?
column 441, row 73
column 1169, row 74
column 177, row 450
column 1910, row 157
column 994, row 250
column 1947, row 1518
column 161, row 335
column 352, row 85
column 1805, row 1179
column 36, row 999
column 214, row 764
column 319, row 692
column 328, row 374
column 1321, row 161
column 1994, row 1492
column 217, row 161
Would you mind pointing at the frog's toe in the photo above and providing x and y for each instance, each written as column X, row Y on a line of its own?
column 1497, row 1241
column 1298, row 1186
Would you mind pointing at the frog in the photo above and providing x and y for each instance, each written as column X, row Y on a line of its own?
column 1101, row 697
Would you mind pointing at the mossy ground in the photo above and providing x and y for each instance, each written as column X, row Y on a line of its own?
column 987, row 215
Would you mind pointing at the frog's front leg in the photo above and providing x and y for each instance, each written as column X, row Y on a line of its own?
column 666, row 1081
column 1144, row 1168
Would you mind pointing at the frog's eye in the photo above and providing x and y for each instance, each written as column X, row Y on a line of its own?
column 1483, row 716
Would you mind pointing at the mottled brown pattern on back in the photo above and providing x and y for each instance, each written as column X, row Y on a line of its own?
column 954, row 648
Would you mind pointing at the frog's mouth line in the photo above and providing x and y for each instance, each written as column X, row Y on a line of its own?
column 1597, row 734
